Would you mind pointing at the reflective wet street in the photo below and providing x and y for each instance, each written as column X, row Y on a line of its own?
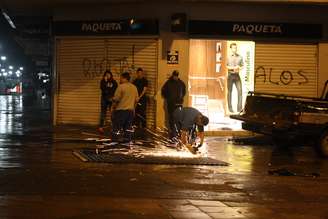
column 41, row 178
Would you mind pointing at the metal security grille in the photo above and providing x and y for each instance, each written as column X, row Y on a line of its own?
column 286, row 69
column 80, row 64
column 88, row 155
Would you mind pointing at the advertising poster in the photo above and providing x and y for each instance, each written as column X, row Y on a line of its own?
column 240, row 66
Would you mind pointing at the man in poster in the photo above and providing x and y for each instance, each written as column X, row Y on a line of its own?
column 234, row 64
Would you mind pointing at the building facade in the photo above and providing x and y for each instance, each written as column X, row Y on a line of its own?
column 283, row 49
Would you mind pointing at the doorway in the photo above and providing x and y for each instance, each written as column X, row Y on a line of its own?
column 221, row 73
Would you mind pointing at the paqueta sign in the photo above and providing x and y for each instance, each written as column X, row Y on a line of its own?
column 119, row 27
column 254, row 29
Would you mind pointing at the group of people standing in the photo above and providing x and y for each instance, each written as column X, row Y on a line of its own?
column 126, row 101
column 128, row 104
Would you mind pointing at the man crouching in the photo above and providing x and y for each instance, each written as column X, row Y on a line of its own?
column 187, row 119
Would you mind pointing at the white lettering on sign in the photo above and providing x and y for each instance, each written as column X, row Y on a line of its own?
column 101, row 27
column 257, row 28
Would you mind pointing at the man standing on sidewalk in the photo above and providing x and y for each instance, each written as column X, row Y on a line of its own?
column 142, row 84
column 173, row 91
column 124, row 102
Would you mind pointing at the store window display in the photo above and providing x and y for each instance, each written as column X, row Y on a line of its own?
column 235, row 63
column 221, row 73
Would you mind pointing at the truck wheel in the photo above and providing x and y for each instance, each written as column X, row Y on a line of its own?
column 322, row 145
column 282, row 140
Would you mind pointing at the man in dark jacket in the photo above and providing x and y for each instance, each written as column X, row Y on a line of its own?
column 142, row 84
column 186, row 120
column 173, row 91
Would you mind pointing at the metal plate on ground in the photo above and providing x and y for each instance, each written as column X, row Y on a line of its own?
column 88, row 155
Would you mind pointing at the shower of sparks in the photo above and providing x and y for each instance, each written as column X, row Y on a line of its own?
column 158, row 151
column 158, row 146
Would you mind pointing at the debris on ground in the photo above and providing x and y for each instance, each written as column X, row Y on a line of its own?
column 252, row 140
column 286, row 172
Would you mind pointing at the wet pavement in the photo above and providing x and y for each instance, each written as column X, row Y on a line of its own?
column 40, row 177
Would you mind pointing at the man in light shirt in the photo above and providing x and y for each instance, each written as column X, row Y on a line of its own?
column 124, row 102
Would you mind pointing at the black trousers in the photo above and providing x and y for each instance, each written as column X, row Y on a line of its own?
column 171, row 107
column 105, row 104
column 140, row 117
column 234, row 79
column 122, row 120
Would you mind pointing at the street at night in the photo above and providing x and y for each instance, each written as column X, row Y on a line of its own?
column 41, row 178
column 173, row 109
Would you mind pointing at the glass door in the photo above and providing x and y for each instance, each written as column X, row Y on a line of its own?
column 220, row 75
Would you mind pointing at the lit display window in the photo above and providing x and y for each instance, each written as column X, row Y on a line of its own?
column 221, row 73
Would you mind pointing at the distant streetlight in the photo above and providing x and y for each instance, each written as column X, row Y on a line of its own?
column 11, row 67
column 5, row 74
column 3, row 70
column 3, row 58
column 10, row 72
column 21, row 68
column 18, row 73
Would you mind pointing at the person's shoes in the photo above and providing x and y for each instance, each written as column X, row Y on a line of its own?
column 174, row 140
column 101, row 130
column 192, row 149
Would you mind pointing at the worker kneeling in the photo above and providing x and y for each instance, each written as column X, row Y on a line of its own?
column 186, row 120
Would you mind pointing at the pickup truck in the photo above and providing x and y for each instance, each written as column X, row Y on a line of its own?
column 286, row 118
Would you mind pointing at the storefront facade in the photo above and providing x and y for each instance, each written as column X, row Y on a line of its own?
column 279, row 55
column 279, row 58
column 90, row 48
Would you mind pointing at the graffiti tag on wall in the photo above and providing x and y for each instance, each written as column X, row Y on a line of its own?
column 286, row 77
column 93, row 68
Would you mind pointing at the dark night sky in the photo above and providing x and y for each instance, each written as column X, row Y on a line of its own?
column 8, row 46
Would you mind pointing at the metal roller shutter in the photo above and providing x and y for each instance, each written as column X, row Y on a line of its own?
column 80, row 64
column 286, row 69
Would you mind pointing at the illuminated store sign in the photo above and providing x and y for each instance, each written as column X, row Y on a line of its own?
column 101, row 27
column 118, row 27
column 255, row 29
column 252, row 29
